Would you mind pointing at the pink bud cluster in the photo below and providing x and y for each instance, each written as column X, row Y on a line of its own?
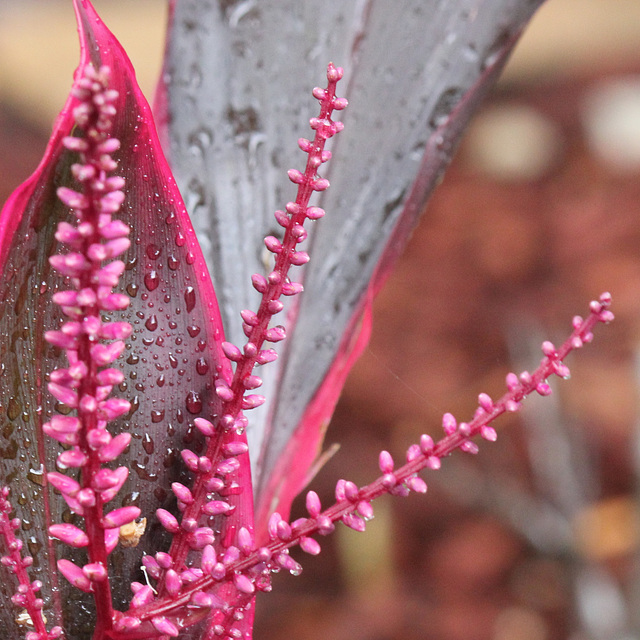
column 286, row 252
column 26, row 598
column 215, row 490
column 248, row 567
column 91, row 342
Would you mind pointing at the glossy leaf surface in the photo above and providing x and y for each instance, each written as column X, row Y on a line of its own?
column 170, row 360
column 235, row 100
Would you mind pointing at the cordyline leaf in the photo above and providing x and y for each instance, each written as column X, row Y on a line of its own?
column 170, row 360
column 415, row 71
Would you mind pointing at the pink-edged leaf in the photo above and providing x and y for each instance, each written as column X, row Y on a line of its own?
column 414, row 73
column 169, row 363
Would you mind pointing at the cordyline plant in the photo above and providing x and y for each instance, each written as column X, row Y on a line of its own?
column 128, row 503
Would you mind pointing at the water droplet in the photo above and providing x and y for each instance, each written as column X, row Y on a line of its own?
column 173, row 324
column 142, row 472
column 180, row 239
column 190, row 258
column 160, row 381
column 151, row 280
column 194, row 403
column 202, row 366
column 147, row 443
column 444, row 106
column 152, row 323
column 36, row 475
column 193, row 330
column 13, row 409
column 157, row 416
column 190, row 298
column 153, row 251
column 132, row 289
column 173, row 263
column 173, row 361
column 200, row 140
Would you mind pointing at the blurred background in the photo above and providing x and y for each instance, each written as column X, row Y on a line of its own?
column 538, row 537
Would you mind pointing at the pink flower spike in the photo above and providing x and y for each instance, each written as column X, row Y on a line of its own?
column 74, row 575
column 433, row 462
column 121, row 516
column 69, row 534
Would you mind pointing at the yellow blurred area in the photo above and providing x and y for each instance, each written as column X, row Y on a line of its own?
column 39, row 49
